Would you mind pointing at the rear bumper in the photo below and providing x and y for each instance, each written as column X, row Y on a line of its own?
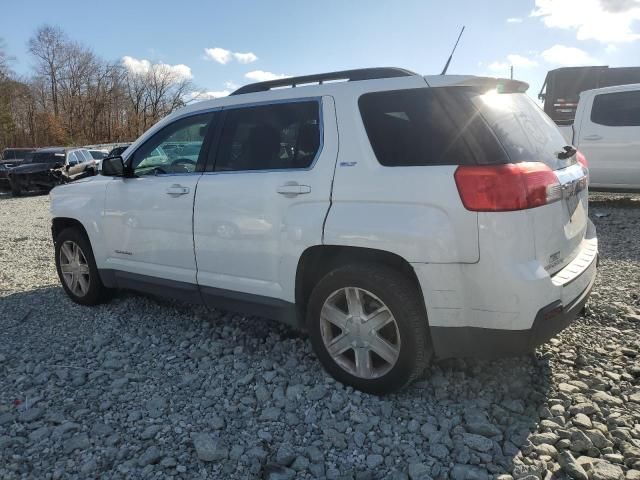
column 35, row 181
column 493, row 343
column 492, row 309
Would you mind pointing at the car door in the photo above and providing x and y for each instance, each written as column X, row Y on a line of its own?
column 610, row 138
column 264, row 198
column 148, row 217
column 72, row 164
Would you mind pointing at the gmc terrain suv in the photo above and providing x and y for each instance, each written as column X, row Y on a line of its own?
column 392, row 216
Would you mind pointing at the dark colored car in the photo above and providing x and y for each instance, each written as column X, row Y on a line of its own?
column 118, row 150
column 50, row 167
column 10, row 158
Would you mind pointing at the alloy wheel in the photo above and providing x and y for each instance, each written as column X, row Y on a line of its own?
column 74, row 268
column 359, row 332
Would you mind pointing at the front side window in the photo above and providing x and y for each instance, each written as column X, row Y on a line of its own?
column 72, row 158
column 175, row 149
column 619, row 109
column 270, row 137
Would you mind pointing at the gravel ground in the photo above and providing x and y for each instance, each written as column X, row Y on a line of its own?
column 143, row 388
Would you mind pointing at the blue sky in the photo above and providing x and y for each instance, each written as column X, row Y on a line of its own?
column 250, row 40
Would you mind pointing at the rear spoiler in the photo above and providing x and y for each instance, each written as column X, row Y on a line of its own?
column 502, row 85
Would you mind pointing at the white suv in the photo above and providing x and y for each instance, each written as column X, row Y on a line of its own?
column 392, row 216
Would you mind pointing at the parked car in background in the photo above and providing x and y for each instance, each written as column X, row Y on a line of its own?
column 13, row 156
column 98, row 156
column 118, row 150
column 607, row 131
column 49, row 167
column 392, row 216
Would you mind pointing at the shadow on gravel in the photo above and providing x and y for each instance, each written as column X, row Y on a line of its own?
column 235, row 378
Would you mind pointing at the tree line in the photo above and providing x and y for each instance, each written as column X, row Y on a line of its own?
column 74, row 97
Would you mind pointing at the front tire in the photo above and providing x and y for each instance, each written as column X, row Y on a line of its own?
column 368, row 327
column 77, row 268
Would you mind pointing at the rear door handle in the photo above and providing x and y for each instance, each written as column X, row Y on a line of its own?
column 176, row 190
column 293, row 189
column 593, row 137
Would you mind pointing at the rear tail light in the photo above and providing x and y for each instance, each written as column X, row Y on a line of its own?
column 503, row 188
column 582, row 160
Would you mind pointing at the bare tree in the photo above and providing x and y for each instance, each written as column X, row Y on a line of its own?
column 48, row 45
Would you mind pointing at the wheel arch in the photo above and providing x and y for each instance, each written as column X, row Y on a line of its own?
column 316, row 261
column 58, row 224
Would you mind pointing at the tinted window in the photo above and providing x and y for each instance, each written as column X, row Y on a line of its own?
column 619, row 109
column 97, row 155
column 270, row 137
column 427, row 126
column 174, row 149
column 524, row 130
column 72, row 158
column 48, row 157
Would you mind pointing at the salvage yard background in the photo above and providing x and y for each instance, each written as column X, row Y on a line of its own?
column 145, row 387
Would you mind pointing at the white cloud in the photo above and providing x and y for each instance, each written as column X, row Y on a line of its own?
column 218, row 54
column 142, row 66
column 262, row 76
column 607, row 21
column 567, row 56
column 136, row 66
column 245, row 58
column 518, row 61
column 224, row 56
column 210, row 95
column 514, row 20
column 231, row 85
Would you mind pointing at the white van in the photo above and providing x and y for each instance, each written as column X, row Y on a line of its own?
column 607, row 131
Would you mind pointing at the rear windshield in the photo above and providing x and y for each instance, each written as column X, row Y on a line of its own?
column 13, row 154
column 458, row 126
column 97, row 154
column 526, row 133
column 48, row 157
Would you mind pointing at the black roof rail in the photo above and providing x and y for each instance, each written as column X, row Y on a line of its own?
column 346, row 75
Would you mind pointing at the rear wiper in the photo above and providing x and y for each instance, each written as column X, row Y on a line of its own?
column 568, row 152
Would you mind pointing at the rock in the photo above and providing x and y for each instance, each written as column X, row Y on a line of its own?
column 419, row 471
column 439, row 451
column 278, row 472
column 571, row 467
column 209, row 449
column 271, row 414
column 580, row 442
column 606, row 471
column 79, row 441
column 568, row 388
column 150, row 432
column 469, row 472
column 582, row 421
column 603, row 397
column 317, row 393
column 477, row 442
column 546, row 437
column 485, row 429
column 374, row 460
column 151, row 456
column 285, row 455
column 156, row 406
column 31, row 415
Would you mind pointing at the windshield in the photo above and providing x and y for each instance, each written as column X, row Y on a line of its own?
column 97, row 154
column 526, row 133
column 48, row 157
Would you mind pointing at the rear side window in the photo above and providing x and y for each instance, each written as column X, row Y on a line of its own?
column 270, row 137
column 619, row 109
column 427, row 126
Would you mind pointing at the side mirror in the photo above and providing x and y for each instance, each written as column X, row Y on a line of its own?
column 67, row 167
column 113, row 167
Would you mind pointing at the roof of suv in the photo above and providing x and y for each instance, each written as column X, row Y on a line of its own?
column 334, row 83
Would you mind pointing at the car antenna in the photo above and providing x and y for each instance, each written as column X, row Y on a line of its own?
column 446, row 66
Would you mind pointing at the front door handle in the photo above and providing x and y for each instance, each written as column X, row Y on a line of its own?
column 593, row 137
column 176, row 190
column 293, row 189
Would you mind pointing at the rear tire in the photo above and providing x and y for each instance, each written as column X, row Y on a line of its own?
column 77, row 268
column 384, row 343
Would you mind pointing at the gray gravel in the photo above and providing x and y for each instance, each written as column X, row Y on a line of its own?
column 144, row 388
